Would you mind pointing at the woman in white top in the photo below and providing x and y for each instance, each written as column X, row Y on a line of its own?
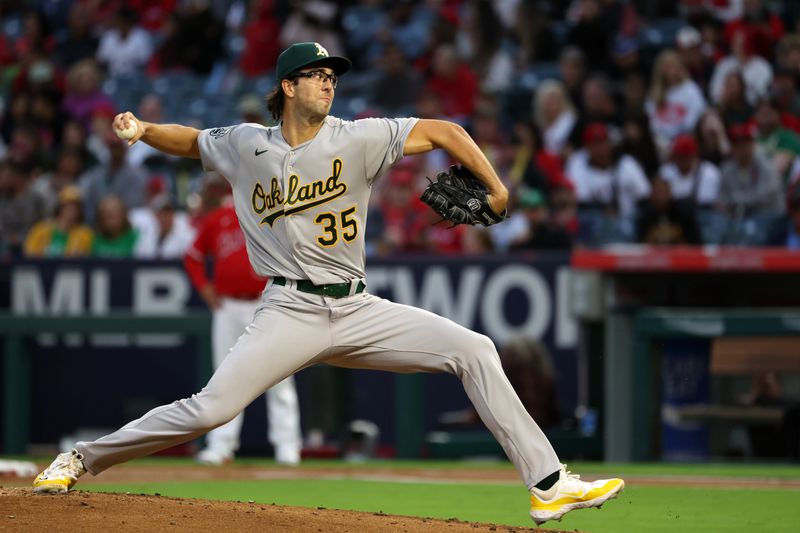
column 756, row 71
column 675, row 102
column 554, row 114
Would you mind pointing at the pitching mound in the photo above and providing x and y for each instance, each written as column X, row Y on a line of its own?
column 88, row 512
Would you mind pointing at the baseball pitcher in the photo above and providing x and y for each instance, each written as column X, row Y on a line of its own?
column 301, row 191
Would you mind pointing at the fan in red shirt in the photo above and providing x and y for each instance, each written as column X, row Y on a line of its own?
column 233, row 295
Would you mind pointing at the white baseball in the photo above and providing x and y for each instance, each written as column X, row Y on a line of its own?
column 127, row 133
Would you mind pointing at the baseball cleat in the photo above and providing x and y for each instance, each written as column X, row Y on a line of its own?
column 571, row 493
column 62, row 473
column 212, row 457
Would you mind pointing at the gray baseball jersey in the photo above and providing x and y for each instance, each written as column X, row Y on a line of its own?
column 303, row 209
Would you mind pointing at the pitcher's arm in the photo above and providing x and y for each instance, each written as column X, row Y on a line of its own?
column 430, row 134
column 171, row 139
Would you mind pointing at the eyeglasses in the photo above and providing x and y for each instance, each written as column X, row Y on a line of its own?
column 319, row 76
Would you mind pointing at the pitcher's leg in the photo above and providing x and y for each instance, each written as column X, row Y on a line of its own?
column 387, row 336
column 283, row 409
column 254, row 364
column 226, row 328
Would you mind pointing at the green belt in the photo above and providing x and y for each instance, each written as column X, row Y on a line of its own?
column 336, row 290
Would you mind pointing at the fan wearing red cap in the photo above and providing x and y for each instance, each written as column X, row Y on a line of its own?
column 689, row 177
column 601, row 178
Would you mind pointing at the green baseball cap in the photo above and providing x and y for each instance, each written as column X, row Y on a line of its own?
column 301, row 55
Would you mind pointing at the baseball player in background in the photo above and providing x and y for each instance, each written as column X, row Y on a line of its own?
column 301, row 191
column 233, row 297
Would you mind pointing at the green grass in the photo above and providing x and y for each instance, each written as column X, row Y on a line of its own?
column 638, row 509
column 763, row 470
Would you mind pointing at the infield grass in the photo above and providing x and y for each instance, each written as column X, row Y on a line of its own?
column 640, row 508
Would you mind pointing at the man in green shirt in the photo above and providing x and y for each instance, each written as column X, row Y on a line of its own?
column 780, row 145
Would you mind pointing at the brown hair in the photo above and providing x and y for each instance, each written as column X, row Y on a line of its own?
column 275, row 99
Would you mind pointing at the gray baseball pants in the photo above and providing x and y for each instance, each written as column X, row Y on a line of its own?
column 293, row 330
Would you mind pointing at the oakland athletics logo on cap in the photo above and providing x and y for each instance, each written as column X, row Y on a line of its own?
column 309, row 54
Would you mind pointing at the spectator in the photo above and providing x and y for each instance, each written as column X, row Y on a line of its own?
column 588, row 32
column 489, row 136
column 533, row 166
column 64, row 235
column 454, row 83
column 531, row 27
column 788, row 53
column 193, row 40
column 170, row 236
column 626, row 58
column 690, row 179
column 401, row 212
column 479, row 40
column 713, row 45
column 637, row 142
column 365, row 25
column 789, row 234
column 79, row 42
column 787, row 99
column 114, row 236
column 749, row 183
column 634, row 94
column 83, row 95
column 251, row 109
column 73, row 137
column 153, row 13
column 765, row 27
column 780, row 145
column 397, row 87
column 539, row 232
column 603, row 180
column 37, row 34
column 712, row 138
column 529, row 367
column 675, row 103
column 124, row 48
column 756, row 71
column 261, row 46
column 411, row 25
column 317, row 21
column 142, row 154
column 597, row 104
column 572, row 70
column 554, row 115
column 68, row 169
column 115, row 177
column 664, row 221
column 47, row 120
column 25, row 150
column 733, row 105
column 20, row 206
column 688, row 45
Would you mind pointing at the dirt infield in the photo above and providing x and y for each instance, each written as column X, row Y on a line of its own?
column 22, row 510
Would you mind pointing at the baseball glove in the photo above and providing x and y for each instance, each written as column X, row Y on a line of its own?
column 458, row 196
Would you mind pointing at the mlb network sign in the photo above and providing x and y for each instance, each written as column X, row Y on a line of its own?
column 501, row 297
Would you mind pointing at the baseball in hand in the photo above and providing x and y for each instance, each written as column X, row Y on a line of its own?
column 128, row 132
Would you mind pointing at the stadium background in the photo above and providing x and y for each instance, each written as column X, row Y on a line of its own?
column 486, row 65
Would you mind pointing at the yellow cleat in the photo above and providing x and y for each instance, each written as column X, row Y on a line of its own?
column 61, row 475
column 569, row 493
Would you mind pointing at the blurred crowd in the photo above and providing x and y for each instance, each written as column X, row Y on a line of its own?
column 610, row 121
